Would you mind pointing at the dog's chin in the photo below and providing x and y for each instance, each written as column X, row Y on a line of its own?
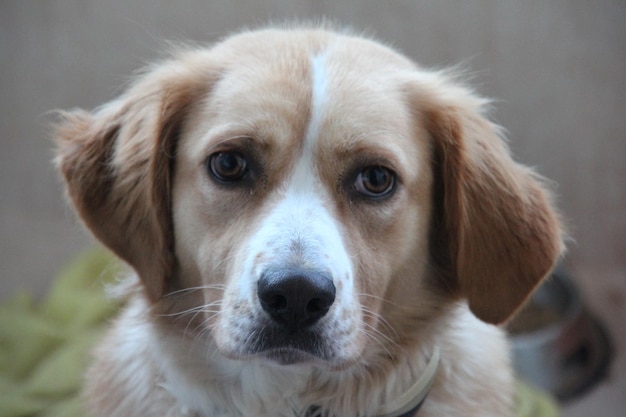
column 296, row 357
column 286, row 356
column 283, row 357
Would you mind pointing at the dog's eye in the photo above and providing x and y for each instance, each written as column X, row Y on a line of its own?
column 227, row 166
column 375, row 182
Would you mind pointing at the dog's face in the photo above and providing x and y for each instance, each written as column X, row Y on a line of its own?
column 322, row 195
column 302, row 193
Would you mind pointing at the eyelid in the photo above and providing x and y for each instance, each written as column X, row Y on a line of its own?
column 360, row 163
column 239, row 143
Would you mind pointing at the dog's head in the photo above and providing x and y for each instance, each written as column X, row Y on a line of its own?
column 304, row 195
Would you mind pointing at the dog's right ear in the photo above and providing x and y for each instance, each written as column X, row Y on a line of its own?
column 117, row 164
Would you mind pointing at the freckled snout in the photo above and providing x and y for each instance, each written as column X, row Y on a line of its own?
column 295, row 298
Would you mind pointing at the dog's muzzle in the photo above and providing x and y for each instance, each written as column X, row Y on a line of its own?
column 294, row 302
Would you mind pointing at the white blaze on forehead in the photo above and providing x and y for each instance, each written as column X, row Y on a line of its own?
column 319, row 97
column 304, row 219
column 304, row 176
column 301, row 228
column 304, row 191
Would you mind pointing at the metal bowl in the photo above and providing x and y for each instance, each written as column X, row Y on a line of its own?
column 557, row 345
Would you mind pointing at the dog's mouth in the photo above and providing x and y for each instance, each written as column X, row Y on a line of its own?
column 291, row 346
column 294, row 320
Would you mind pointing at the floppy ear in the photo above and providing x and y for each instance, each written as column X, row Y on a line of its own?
column 117, row 163
column 494, row 232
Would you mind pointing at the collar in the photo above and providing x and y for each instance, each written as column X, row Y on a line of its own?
column 407, row 404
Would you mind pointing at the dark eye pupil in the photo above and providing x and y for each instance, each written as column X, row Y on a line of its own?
column 227, row 166
column 375, row 181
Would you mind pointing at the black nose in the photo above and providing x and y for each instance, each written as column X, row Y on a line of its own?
column 296, row 298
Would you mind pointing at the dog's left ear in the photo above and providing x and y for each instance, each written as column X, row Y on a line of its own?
column 494, row 232
column 117, row 163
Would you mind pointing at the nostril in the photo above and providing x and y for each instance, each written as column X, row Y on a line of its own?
column 275, row 301
column 318, row 306
column 313, row 306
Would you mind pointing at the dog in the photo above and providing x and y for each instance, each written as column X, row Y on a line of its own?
column 316, row 226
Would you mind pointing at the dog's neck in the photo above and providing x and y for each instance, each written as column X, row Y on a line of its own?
column 405, row 405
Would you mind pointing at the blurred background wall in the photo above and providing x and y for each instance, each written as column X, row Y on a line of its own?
column 557, row 69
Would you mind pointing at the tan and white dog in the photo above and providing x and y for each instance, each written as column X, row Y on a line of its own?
column 318, row 227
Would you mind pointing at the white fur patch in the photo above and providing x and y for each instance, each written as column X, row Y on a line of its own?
column 319, row 77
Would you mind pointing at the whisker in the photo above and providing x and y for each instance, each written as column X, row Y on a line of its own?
column 384, row 348
column 376, row 297
column 204, row 328
column 374, row 337
column 195, row 309
column 378, row 333
column 222, row 261
column 220, row 287
column 382, row 320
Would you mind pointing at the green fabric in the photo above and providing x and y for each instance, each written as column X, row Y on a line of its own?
column 44, row 346
column 533, row 403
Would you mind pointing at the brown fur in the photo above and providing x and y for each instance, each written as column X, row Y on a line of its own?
column 118, row 161
column 493, row 233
